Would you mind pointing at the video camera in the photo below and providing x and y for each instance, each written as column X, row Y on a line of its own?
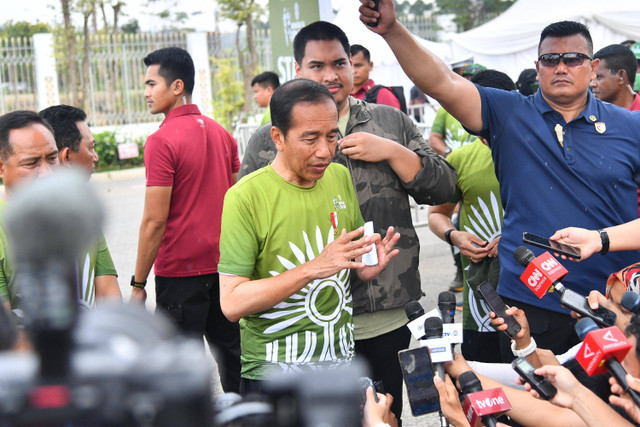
column 117, row 365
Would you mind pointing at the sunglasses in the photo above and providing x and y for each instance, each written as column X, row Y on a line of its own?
column 570, row 59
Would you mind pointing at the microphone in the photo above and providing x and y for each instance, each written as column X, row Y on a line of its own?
column 50, row 223
column 439, row 350
column 604, row 347
column 416, row 315
column 481, row 406
column 542, row 274
column 631, row 302
column 447, row 306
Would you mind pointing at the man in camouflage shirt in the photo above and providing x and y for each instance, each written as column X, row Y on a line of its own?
column 388, row 160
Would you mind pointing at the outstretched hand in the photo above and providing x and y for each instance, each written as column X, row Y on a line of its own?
column 385, row 251
column 588, row 241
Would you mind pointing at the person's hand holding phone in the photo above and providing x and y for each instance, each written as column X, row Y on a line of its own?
column 588, row 241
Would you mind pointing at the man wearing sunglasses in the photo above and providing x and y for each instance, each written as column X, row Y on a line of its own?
column 561, row 156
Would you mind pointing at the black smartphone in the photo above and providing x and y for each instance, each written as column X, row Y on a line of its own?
column 418, row 377
column 375, row 8
column 525, row 369
column 495, row 303
column 550, row 245
column 578, row 303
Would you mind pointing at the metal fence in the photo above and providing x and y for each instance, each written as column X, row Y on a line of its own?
column 111, row 89
column 422, row 26
column 17, row 75
column 114, row 90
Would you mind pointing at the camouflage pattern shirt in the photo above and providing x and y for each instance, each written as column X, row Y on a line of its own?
column 382, row 196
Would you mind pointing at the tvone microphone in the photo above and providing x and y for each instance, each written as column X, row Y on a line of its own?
column 447, row 306
column 542, row 274
column 481, row 406
column 604, row 347
column 631, row 302
column 50, row 223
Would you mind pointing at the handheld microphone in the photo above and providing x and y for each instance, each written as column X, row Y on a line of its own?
column 542, row 274
column 481, row 406
column 631, row 302
column 447, row 306
column 50, row 223
column 416, row 315
column 439, row 350
column 604, row 347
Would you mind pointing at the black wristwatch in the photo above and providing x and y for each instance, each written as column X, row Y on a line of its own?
column 447, row 235
column 604, row 236
column 135, row 284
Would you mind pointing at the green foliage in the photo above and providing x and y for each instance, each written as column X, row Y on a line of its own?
column 22, row 29
column 419, row 8
column 131, row 27
column 471, row 13
column 229, row 92
column 107, row 149
column 238, row 10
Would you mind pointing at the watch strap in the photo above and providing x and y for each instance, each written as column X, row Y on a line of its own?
column 604, row 236
column 447, row 235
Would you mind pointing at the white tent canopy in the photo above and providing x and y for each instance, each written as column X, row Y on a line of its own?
column 386, row 69
column 509, row 42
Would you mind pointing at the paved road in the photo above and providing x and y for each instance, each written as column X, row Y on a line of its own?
column 123, row 196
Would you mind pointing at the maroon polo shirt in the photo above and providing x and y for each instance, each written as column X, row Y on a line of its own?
column 197, row 157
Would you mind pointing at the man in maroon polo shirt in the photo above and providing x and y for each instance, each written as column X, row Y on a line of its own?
column 362, row 66
column 190, row 162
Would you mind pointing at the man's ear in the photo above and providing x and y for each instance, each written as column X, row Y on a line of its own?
column 2, row 168
column 63, row 156
column 178, row 87
column 278, row 137
column 594, row 67
column 622, row 77
column 298, row 69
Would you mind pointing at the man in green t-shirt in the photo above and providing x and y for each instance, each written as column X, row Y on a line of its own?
column 480, row 229
column 263, row 86
column 27, row 151
column 97, row 275
column 285, row 252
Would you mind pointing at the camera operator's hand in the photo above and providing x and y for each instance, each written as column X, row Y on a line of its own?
column 138, row 295
column 376, row 413
column 450, row 401
column 623, row 400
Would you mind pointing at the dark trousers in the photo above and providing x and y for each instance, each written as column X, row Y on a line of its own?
column 481, row 346
column 194, row 305
column 552, row 330
column 382, row 355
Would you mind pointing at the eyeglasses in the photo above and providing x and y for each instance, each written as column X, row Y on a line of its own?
column 570, row 59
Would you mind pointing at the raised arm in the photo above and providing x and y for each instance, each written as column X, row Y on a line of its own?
column 456, row 94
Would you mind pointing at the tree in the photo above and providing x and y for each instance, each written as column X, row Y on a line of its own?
column 70, row 44
column 471, row 13
column 419, row 8
column 131, row 27
column 22, row 29
column 243, row 13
